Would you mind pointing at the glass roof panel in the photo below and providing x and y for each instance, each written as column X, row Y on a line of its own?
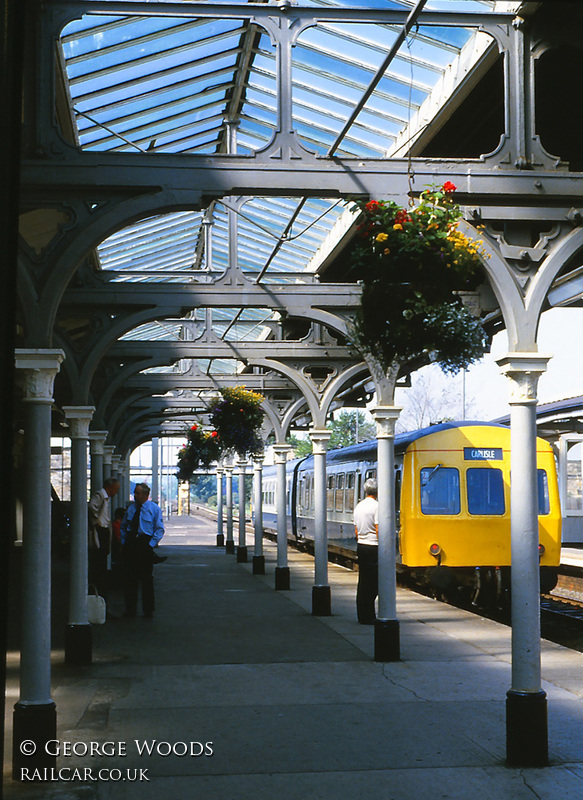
column 142, row 82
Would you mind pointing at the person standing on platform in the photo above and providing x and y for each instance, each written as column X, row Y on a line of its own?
column 141, row 530
column 100, row 534
column 366, row 528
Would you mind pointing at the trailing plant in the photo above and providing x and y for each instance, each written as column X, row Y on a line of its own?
column 200, row 450
column 237, row 416
column 415, row 266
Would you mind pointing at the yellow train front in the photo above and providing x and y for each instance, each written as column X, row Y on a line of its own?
column 454, row 514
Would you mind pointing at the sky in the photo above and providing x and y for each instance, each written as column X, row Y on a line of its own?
column 487, row 390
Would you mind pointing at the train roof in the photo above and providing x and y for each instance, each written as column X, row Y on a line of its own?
column 367, row 451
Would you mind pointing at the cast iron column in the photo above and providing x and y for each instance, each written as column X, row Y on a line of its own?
column 526, row 703
column 282, row 574
column 258, row 557
column 386, row 630
column 35, row 714
column 220, row 534
column 230, row 543
column 155, row 488
column 242, row 547
column 97, row 451
column 321, row 599
column 78, row 641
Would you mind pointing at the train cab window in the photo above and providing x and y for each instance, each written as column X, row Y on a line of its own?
column 398, row 490
column 349, row 491
column 330, row 492
column 544, row 504
column 440, row 490
column 485, row 491
column 339, row 505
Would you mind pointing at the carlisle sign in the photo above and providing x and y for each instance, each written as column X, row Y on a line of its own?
column 482, row 454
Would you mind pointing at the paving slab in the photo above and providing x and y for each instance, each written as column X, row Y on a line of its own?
column 235, row 691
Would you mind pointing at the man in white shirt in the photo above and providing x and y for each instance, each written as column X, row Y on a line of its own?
column 366, row 528
column 100, row 534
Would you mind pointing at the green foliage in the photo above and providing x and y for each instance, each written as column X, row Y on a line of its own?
column 237, row 417
column 302, row 447
column 414, row 264
column 346, row 427
column 201, row 449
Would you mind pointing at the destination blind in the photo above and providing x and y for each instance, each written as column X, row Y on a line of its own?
column 483, row 454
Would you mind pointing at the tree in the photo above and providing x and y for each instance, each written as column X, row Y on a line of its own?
column 433, row 398
column 302, row 447
column 350, row 427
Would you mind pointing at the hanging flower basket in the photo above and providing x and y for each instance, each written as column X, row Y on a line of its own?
column 201, row 449
column 415, row 267
column 237, row 417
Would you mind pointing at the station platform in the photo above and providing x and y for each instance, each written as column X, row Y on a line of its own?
column 294, row 705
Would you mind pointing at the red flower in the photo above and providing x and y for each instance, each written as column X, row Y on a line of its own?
column 448, row 186
column 194, row 427
column 214, row 433
column 402, row 216
column 372, row 205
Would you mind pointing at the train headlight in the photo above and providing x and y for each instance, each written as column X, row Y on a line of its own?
column 434, row 549
column 541, row 550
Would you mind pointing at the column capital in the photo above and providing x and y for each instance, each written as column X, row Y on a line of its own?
column 242, row 464
column 524, row 370
column 280, row 452
column 219, row 469
column 38, row 371
column 78, row 418
column 258, row 462
column 97, row 442
column 385, row 418
column 320, row 438
column 108, row 451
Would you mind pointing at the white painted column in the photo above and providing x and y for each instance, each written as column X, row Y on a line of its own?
column 97, row 452
column 321, row 599
column 115, row 459
column 220, row 534
column 230, row 542
column 78, row 640
column 242, row 546
column 386, row 646
column 258, row 557
column 35, row 714
column 526, row 704
column 124, row 490
column 108, row 452
column 155, row 488
column 282, row 573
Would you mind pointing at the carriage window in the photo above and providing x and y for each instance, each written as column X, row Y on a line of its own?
column 398, row 489
column 339, row 506
column 440, row 490
column 544, row 504
column 330, row 493
column 485, row 491
column 349, row 499
column 370, row 473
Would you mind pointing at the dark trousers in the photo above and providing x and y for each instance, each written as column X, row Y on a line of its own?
column 137, row 558
column 368, row 580
column 98, row 562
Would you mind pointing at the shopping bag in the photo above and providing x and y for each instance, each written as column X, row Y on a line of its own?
column 96, row 609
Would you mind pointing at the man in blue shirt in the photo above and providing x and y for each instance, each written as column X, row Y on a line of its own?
column 141, row 530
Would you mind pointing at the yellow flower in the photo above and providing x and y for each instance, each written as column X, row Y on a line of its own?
column 397, row 227
column 386, row 251
column 382, row 237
